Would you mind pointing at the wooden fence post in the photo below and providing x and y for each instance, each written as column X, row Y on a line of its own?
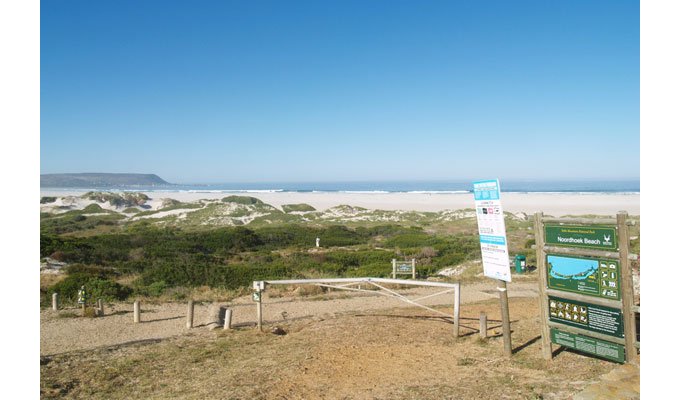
column 137, row 312
column 55, row 301
column 546, row 343
column 482, row 325
column 227, row 319
column 456, row 312
column 100, row 307
column 627, row 291
column 190, row 314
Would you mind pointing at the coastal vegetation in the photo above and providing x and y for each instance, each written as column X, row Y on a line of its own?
column 120, row 245
column 302, row 207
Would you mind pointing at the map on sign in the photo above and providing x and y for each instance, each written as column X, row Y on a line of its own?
column 590, row 276
column 491, row 226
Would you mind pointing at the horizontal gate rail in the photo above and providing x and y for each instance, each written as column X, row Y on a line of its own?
column 347, row 283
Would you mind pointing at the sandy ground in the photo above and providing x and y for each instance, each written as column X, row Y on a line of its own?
column 160, row 321
column 557, row 204
column 370, row 353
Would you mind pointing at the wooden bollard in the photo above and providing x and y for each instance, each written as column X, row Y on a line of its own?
column 100, row 307
column 137, row 312
column 227, row 319
column 214, row 314
column 55, row 301
column 190, row 314
column 482, row 325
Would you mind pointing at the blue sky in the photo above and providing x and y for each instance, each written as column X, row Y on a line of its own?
column 226, row 91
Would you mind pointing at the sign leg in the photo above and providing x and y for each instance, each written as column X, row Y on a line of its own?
column 505, row 313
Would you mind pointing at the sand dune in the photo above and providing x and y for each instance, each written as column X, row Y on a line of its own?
column 558, row 204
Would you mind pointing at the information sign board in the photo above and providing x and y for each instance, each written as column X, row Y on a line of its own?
column 591, row 237
column 591, row 276
column 606, row 320
column 601, row 348
column 404, row 268
column 491, row 226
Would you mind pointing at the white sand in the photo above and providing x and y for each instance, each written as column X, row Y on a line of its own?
column 557, row 204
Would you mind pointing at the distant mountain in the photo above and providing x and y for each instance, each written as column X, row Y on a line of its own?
column 93, row 180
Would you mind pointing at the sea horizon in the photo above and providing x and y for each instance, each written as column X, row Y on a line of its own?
column 624, row 186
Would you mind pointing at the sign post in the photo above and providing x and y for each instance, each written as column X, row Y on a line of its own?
column 257, row 298
column 494, row 246
column 82, row 298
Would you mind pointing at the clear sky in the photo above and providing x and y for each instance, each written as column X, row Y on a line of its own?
column 246, row 91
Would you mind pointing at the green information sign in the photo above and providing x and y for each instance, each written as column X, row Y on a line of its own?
column 604, row 349
column 404, row 268
column 591, row 276
column 591, row 237
column 606, row 320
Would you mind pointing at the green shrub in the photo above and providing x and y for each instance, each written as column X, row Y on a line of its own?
column 302, row 207
column 96, row 287
column 92, row 209
column 47, row 200
column 374, row 270
column 246, row 200
column 157, row 288
column 125, row 199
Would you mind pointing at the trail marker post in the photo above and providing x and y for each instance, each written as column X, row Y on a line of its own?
column 82, row 298
column 494, row 246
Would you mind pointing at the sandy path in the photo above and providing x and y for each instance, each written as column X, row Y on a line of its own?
column 60, row 335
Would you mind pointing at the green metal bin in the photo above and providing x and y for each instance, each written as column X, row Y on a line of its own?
column 520, row 263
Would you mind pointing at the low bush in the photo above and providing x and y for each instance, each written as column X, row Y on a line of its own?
column 96, row 287
column 246, row 200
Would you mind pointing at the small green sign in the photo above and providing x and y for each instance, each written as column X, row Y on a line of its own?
column 591, row 276
column 591, row 237
column 601, row 348
column 606, row 320
column 256, row 297
column 405, row 268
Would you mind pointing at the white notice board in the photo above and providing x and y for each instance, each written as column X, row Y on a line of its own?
column 491, row 226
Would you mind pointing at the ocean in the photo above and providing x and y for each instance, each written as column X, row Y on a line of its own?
column 426, row 187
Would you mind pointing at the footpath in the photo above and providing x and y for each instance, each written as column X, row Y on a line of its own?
column 622, row 383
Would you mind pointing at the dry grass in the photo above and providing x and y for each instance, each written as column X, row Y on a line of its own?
column 399, row 354
column 47, row 280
